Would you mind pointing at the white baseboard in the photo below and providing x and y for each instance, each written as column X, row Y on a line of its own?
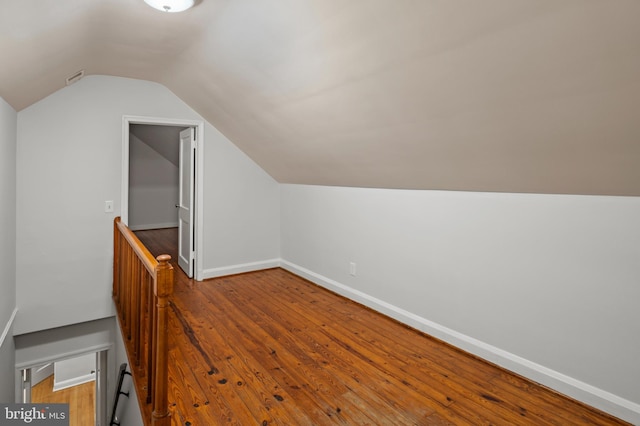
column 240, row 268
column 75, row 381
column 147, row 226
column 591, row 395
column 7, row 327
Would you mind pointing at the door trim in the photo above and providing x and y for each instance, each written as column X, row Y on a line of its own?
column 198, row 229
column 23, row 378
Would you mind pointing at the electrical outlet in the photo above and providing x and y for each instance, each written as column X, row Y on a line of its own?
column 352, row 268
column 108, row 206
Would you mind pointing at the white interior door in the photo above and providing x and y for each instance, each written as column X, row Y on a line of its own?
column 185, row 205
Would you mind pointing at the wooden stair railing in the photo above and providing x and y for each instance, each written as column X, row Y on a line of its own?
column 142, row 285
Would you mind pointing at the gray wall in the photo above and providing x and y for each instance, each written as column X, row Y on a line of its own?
column 8, row 122
column 153, row 187
column 74, row 371
column 7, row 369
column 546, row 285
column 69, row 161
column 242, row 210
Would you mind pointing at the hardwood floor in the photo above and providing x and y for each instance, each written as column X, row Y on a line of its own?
column 81, row 400
column 271, row 348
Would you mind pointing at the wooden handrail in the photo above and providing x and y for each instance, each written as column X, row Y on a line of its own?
column 149, row 262
column 142, row 285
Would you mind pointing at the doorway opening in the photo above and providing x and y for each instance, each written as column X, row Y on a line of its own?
column 168, row 152
column 80, row 381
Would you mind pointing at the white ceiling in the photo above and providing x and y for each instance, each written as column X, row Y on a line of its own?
column 493, row 95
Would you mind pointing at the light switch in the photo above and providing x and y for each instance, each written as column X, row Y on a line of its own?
column 352, row 268
column 108, row 206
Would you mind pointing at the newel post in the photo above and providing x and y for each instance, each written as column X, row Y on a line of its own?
column 163, row 289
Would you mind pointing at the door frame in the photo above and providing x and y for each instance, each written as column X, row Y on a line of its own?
column 198, row 220
column 23, row 378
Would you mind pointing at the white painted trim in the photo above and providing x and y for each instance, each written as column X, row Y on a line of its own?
column 7, row 327
column 199, row 201
column 154, row 226
column 240, row 268
column 124, row 183
column 64, row 356
column 73, row 382
column 199, row 204
column 584, row 392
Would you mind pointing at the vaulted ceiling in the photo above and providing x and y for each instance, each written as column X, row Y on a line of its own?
column 493, row 95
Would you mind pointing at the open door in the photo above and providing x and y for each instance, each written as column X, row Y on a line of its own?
column 186, row 246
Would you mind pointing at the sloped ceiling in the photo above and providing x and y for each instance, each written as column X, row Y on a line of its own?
column 493, row 95
column 162, row 139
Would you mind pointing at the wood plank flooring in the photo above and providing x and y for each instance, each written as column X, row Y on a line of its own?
column 81, row 400
column 270, row 348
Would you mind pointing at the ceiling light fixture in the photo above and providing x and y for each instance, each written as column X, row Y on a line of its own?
column 170, row 5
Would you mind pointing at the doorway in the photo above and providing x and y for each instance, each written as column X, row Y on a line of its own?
column 187, row 216
column 79, row 381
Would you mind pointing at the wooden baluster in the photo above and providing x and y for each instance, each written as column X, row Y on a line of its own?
column 121, row 248
column 151, row 342
column 135, row 304
column 123, row 285
column 123, row 256
column 116, row 261
column 123, row 280
column 125, row 295
column 163, row 289
column 141, row 297
column 129, row 290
